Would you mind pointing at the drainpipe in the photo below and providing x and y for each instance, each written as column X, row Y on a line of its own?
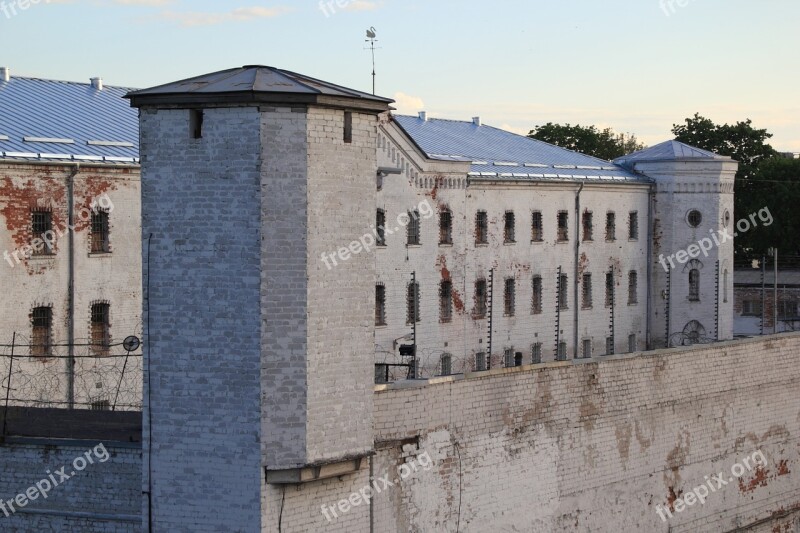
column 71, row 286
column 651, row 230
column 575, row 301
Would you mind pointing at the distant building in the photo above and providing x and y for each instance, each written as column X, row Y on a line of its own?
column 70, row 241
column 754, row 305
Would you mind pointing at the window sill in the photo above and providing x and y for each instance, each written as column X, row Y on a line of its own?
column 381, row 326
column 413, row 246
column 445, row 245
column 586, row 308
column 380, row 246
column 566, row 241
column 100, row 254
column 633, row 304
column 481, row 244
column 540, row 241
column 509, row 243
column 41, row 257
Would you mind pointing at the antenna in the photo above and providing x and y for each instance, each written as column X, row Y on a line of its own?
column 371, row 39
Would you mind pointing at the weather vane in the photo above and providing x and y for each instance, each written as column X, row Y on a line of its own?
column 371, row 39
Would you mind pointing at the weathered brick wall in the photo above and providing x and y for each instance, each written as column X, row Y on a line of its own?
column 597, row 445
column 104, row 497
column 200, row 203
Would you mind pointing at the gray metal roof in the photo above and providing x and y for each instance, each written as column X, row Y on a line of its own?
column 254, row 83
column 50, row 120
column 499, row 154
column 668, row 151
column 752, row 277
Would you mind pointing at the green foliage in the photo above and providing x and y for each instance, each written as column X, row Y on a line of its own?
column 603, row 144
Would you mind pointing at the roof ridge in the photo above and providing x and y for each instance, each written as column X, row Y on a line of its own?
column 70, row 82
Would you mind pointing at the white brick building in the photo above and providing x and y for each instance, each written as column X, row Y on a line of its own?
column 70, row 243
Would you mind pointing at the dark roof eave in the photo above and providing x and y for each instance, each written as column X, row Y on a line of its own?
column 257, row 98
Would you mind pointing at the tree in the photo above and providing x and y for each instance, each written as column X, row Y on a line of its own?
column 604, row 144
column 753, row 192
column 741, row 141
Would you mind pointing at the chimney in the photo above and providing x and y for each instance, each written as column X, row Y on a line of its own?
column 476, row 121
column 97, row 83
column 5, row 74
column 423, row 116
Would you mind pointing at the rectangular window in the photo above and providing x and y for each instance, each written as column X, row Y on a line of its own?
column 611, row 226
column 380, row 305
column 380, row 227
column 751, row 308
column 412, row 230
column 196, row 123
column 587, row 348
column 42, row 331
column 509, row 297
column 537, row 232
column 586, row 302
column 588, row 226
column 99, row 238
column 509, row 227
column 42, row 229
column 563, row 226
column 609, row 289
column 563, row 291
column 609, row 345
column 101, row 329
column 446, row 364
column 694, row 285
column 633, row 288
column 633, row 226
column 480, row 362
column 446, row 227
column 508, row 356
column 348, row 127
column 536, row 353
column 445, row 301
column 412, row 303
column 536, row 304
column 481, row 228
column 787, row 309
column 632, row 343
column 480, row 298
column 561, row 354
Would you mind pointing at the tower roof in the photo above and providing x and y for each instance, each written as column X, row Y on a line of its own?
column 257, row 84
column 669, row 151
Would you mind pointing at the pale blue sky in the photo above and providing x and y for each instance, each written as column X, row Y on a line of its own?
column 637, row 66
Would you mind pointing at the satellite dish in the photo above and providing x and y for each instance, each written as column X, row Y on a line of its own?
column 371, row 33
column 131, row 343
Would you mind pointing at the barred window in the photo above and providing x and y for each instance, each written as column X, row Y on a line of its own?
column 587, row 348
column 586, row 302
column 380, row 227
column 42, row 331
column 380, row 305
column 609, row 289
column 412, row 303
column 563, row 226
column 480, row 298
column 563, row 292
column 633, row 288
column 609, row 345
column 101, row 328
column 446, row 364
column 413, row 228
column 100, row 234
column 509, row 300
column 633, row 225
column 536, row 304
column 588, row 226
column 481, row 228
column 446, row 227
column 611, row 226
column 42, row 228
column 537, row 232
column 508, row 356
column 480, row 362
column 536, row 353
column 694, row 285
column 445, row 301
column 509, row 228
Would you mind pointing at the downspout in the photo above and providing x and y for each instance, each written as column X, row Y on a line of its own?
column 71, row 286
column 651, row 230
column 577, row 262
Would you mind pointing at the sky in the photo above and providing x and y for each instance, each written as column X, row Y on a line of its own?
column 637, row 66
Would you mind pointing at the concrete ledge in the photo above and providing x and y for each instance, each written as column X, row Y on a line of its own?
column 309, row 473
column 418, row 383
column 82, row 516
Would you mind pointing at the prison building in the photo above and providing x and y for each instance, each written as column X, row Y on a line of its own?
column 494, row 249
column 70, row 238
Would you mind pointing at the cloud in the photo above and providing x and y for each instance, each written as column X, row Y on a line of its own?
column 362, row 5
column 241, row 14
column 518, row 131
column 407, row 104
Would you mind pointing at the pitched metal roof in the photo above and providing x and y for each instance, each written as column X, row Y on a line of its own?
column 499, row 154
column 52, row 120
column 669, row 151
column 254, row 83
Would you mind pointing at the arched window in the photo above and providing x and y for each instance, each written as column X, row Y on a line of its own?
column 725, row 286
column 694, row 285
column 693, row 332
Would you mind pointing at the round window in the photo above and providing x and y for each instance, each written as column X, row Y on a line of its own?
column 694, row 218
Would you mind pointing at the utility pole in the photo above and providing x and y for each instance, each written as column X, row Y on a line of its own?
column 774, row 253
